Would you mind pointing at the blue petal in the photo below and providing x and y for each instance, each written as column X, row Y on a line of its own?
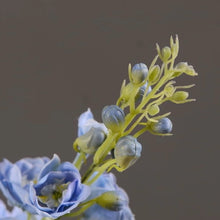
column 52, row 165
column 4, row 167
column 14, row 175
column 67, row 166
column 30, row 167
column 83, row 118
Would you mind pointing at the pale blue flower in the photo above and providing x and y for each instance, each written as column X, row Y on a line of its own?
column 15, row 180
column 107, row 182
column 15, row 214
column 49, row 189
column 86, row 122
column 58, row 189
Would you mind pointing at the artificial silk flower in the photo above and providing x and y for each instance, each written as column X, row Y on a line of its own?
column 53, row 191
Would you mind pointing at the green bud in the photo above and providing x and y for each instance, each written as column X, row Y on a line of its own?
column 127, row 91
column 165, row 53
column 90, row 141
column 154, row 74
column 169, row 90
column 127, row 151
column 112, row 200
column 113, row 117
column 153, row 109
column 183, row 67
column 180, row 96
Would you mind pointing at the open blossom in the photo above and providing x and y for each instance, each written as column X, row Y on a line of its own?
column 105, row 183
column 15, row 180
column 50, row 190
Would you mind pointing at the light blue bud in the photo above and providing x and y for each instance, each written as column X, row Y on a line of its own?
column 90, row 141
column 139, row 73
column 113, row 117
column 163, row 126
column 127, row 151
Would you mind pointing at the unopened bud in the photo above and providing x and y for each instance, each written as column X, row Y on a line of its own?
column 180, row 96
column 113, row 117
column 165, row 53
column 169, row 90
column 127, row 91
column 163, row 126
column 112, row 200
column 127, row 151
column 181, row 65
column 139, row 73
column 185, row 68
column 90, row 141
column 154, row 74
column 153, row 110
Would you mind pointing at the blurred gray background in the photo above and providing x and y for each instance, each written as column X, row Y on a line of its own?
column 57, row 58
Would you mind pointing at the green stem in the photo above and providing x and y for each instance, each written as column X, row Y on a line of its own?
column 103, row 150
column 79, row 212
column 135, row 124
column 140, row 132
column 80, row 159
column 100, row 171
column 29, row 216
column 88, row 172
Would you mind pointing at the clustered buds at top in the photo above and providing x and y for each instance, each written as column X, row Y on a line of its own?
column 90, row 141
column 113, row 117
column 112, row 200
column 139, row 73
column 163, row 126
column 127, row 151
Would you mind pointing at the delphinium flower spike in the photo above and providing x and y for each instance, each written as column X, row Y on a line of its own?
column 141, row 98
column 45, row 189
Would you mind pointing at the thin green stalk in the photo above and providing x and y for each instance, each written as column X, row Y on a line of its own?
column 80, row 159
column 100, row 171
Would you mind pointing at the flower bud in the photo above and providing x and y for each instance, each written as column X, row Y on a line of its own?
column 141, row 92
column 113, row 117
column 163, row 126
column 180, row 96
column 127, row 91
column 90, row 141
column 169, row 90
column 153, row 110
column 183, row 67
column 112, row 200
column 127, row 151
column 154, row 74
column 139, row 73
column 165, row 53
